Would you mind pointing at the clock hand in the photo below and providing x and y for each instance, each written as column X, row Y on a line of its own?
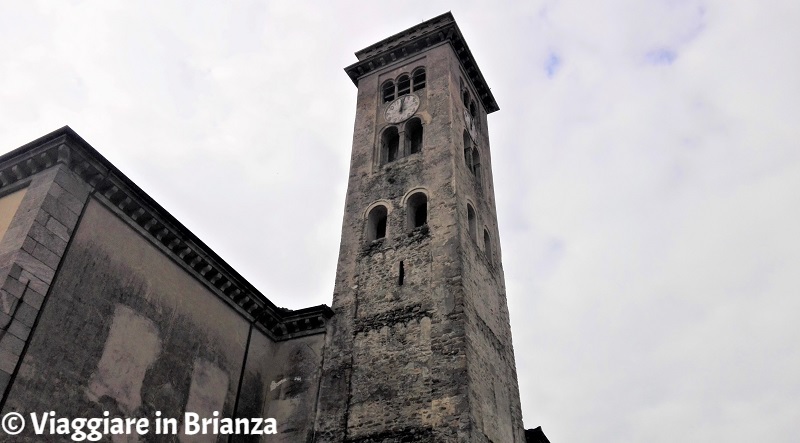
column 402, row 102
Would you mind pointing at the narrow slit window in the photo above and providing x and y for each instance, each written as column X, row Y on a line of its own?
column 414, row 136
column 417, row 210
column 403, row 85
column 418, row 79
column 388, row 91
column 401, row 274
column 376, row 223
column 390, row 143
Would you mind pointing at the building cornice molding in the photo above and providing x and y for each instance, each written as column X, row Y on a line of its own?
column 139, row 210
column 416, row 39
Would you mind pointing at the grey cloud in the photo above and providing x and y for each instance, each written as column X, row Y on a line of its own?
column 648, row 214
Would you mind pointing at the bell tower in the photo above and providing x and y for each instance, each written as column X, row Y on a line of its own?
column 419, row 348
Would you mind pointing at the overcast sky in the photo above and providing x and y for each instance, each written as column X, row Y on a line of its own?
column 646, row 160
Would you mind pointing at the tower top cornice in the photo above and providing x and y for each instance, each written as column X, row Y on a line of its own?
column 416, row 39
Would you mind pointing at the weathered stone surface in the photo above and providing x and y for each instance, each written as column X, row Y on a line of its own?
column 33, row 298
column 14, row 287
column 19, row 330
column 61, row 212
column 5, row 378
column 12, row 344
column 25, row 313
column 35, row 266
column 46, row 256
column 8, row 360
column 421, row 346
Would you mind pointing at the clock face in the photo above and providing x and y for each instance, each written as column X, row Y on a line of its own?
column 402, row 108
column 470, row 123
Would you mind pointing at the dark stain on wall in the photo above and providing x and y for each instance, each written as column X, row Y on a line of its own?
column 251, row 401
column 67, row 347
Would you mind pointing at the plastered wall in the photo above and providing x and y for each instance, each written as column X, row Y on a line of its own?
column 126, row 330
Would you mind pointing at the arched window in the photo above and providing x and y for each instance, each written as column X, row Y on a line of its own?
column 390, row 143
column 465, row 97
column 471, row 221
column 388, row 91
column 417, row 210
column 475, row 167
column 472, row 108
column 487, row 245
column 413, row 136
column 376, row 223
column 418, row 79
column 403, row 85
column 472, row 157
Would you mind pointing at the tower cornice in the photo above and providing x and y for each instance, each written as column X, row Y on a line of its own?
column 417, row 39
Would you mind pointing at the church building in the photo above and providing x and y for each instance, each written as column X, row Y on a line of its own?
column 108, row 304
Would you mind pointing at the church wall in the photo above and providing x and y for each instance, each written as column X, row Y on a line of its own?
column 30, row 252
column 281, row 381
column 125, row 329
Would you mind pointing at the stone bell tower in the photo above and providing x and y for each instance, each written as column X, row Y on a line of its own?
column 419, row 348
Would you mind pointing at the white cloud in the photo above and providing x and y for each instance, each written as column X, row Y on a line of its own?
column 645, row 160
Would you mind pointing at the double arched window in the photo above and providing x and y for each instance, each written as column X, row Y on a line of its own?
column 472, row 230
column 401, row 141
column 469, row 103
column 377, row 215
column 403, row 85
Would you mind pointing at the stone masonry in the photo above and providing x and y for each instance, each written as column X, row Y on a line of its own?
column 420, row 347
column 31, row 251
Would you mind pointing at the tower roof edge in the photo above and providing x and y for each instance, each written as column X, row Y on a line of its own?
column 442, row 28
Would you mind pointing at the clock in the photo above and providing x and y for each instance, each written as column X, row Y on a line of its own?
column 402, row 108
column 469, row 122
